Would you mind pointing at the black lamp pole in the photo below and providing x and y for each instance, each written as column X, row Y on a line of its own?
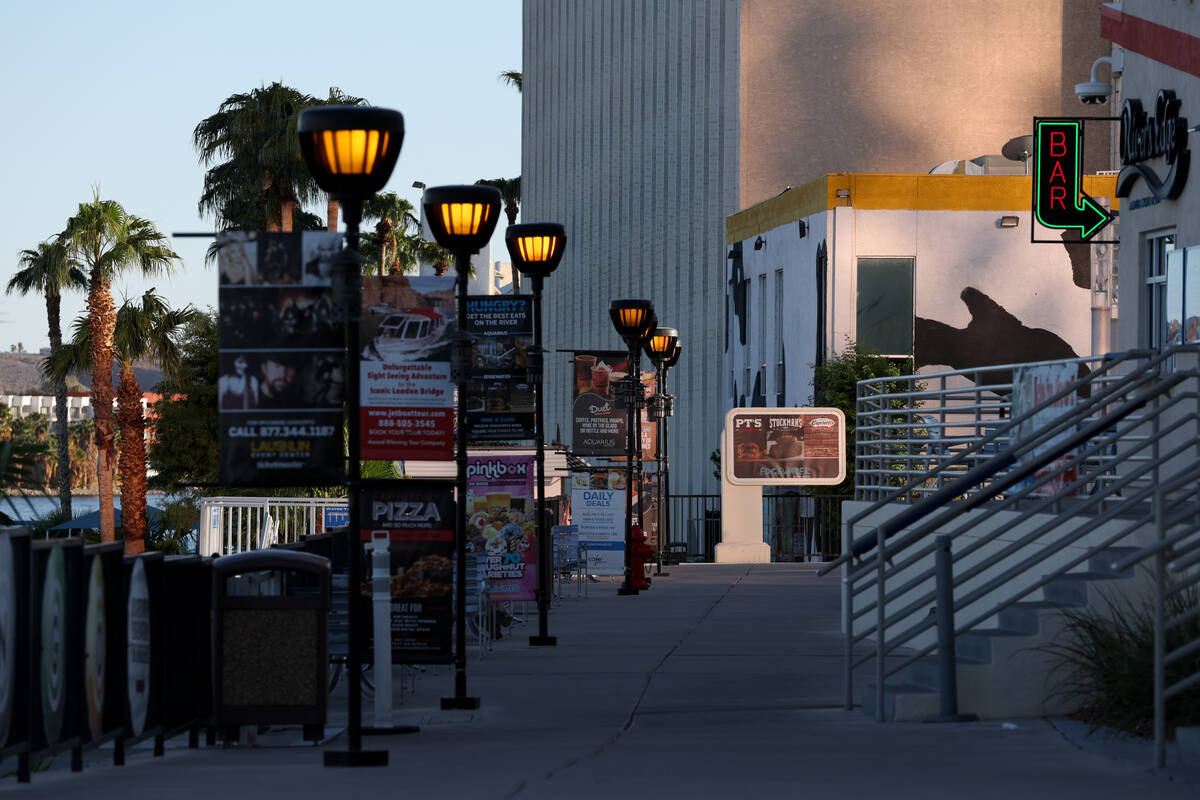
column 461, row 219
column 634, row 321
column 545, row 548
column 351, row 151
column 536, row 248
column 662, row 345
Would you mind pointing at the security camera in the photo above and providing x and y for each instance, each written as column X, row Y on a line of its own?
column 1093, row 93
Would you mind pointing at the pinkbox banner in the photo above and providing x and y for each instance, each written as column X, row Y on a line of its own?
column 501, row 514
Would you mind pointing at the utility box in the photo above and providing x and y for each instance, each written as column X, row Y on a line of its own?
column 270, row 640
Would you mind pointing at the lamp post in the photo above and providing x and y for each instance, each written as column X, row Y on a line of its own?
column 535, row 249
column 635, row 321
column 462, row 219
column 351, row 151
column 662, row 345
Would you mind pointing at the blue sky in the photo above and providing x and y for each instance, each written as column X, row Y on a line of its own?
column 108, row 94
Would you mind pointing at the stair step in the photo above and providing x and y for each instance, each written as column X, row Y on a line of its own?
column 1101, row 562
column 1025, row 616
column 975, row 647
column 890, row 692
column 1072, row 589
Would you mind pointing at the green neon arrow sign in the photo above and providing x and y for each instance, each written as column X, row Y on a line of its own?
column 1059, row 200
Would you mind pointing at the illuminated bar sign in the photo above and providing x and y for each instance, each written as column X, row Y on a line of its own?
column 1058, row 197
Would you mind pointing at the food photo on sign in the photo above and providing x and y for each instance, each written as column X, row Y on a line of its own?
column 790, row 445
column 420, row 528
column 502, row 523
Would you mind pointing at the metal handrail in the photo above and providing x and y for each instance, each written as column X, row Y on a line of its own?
column 1113, row 417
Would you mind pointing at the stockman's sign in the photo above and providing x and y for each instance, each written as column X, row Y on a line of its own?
column 785, row 446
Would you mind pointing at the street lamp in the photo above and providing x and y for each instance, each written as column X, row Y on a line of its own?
column 635, row 321
column 461, row 219
column 535, row 249
column 351, row 151
column 662, row 347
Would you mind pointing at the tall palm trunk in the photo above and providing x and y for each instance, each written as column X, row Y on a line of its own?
column 102, row 317
column 53, row 316
column 132, row 461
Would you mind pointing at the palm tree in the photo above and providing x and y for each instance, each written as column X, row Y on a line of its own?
column 510, row 193
column 397, row 246
column 107, row 241
column 48, row 270
column 145, row 328
column 513, row 77
column 261, row 176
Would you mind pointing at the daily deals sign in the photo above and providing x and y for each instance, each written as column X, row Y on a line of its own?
column 1059, row 201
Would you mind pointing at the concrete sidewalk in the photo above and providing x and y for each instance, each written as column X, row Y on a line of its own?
column 721, row 681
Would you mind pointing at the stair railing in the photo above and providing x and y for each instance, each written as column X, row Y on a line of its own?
column 1117, row 460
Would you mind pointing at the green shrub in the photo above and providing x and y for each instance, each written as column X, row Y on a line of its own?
column 1106, row 663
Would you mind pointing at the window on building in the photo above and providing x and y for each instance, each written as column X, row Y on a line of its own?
column 885, row 305
column 778, row 331
column 762, row 332
column 1155, row 248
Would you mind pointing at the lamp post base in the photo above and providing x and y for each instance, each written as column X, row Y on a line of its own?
column 543, row 641
column 468, row 703
column 356, row 758
column 627, row 590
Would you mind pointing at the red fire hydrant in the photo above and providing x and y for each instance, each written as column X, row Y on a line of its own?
column 639, row 554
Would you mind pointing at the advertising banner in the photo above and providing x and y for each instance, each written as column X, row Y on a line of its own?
column 501, row 524
column 785, row 446
column 281, row 359
column 420, row 526
column 647, row 501
column 598, row 418
column 406, row 395
column 1031, row 387
column 500, row 399
column 598, row 511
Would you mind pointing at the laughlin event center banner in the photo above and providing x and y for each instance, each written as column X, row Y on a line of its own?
column 501, row 524
column 420, row 527
column 406, row 395
column 281, row 359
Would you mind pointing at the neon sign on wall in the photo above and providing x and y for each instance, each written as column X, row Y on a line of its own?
column 1058, row 197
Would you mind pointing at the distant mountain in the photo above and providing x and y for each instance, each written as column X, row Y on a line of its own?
column 21, row 373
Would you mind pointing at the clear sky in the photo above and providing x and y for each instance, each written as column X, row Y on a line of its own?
column 107, row 94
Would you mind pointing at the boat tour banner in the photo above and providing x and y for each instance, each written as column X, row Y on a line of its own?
column 501, row 524
column 598, row 418
column 420, row 527
column 406, row 395
column 281, row 359
column 785, row 446
column 598, row 511
column 500, row 398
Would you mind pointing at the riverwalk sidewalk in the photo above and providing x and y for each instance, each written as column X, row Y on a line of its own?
column 720, row 681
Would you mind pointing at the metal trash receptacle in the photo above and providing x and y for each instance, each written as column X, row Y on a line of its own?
column 270, row 640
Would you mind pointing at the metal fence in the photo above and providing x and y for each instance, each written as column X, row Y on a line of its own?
column 802, row 527
column 237, row 524
column 695, row 527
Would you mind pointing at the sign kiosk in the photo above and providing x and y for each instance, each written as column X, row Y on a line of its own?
column 772, row 447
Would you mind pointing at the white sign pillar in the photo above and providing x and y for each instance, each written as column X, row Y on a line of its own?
column 772, row 447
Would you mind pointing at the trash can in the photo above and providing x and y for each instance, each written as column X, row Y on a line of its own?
column 270, row 640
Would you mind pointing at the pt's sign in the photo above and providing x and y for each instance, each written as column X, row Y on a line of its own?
column 1058, row 197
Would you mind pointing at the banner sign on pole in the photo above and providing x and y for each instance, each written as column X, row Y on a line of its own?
column 1032, row 386
column 501, row 398
column 785, row 446
column 281, row 359
column 406, row 394
column 598, row 511
column 501, row 523
column 420, row 525
column 598, row 421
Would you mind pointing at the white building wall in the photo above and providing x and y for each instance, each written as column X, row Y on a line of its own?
column 630, row 120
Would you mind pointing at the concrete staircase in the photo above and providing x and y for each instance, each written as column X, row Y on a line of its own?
column 1002, row 671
